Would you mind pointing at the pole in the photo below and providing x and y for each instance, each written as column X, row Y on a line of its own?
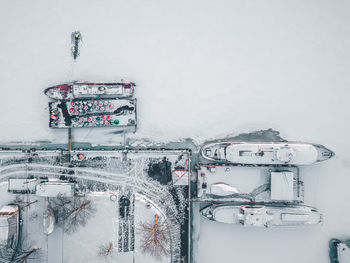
column 69, row 142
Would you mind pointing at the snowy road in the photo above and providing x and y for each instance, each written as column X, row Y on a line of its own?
column 55, row 246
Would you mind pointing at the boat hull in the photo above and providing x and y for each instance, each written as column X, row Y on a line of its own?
column 263, row 215
column 273, row 153
column 90, row 90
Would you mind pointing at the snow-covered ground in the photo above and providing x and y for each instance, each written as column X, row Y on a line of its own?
column 203, row 69
column 84, row 244
column 138, row 186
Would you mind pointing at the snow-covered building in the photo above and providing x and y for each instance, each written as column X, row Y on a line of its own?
column 21, row 185
column 9, row 225
column 55, row 188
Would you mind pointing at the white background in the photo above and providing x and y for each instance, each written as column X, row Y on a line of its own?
column 203, row 69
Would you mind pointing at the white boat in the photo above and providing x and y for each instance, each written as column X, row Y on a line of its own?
column 339, row 251
column 48, row 221
column 91, row 90
column 266, row 153
column 266, row 215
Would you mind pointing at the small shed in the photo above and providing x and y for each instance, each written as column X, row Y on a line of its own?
column 55, row 188
column 21, row 185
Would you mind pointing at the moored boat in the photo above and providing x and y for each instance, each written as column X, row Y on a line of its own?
column 339, row 251
column 266, row 215
column 93, row 113
column 48, row 221
column 266, row 153
column 90, row 90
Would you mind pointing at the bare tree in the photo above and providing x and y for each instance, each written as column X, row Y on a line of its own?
column 23, row 204
column 73, row 212
column 60, row 202
column 106, row 250
column 23, row 254
column 27, row 255
column 6, row 254
column 155, row 238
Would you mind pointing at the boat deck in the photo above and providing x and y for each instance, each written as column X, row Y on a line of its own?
column 244, row 183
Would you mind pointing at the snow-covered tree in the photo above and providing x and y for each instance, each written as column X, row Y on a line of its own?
column 21, row 254
column 106, row 250
column 27, row 255
column 22, row 203
column 73, row 212
column 155, row 238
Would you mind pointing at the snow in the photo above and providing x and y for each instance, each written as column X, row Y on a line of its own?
column 282, row 187
column 263, row 58
column 53, row 189
column 100, row 229
column 243, row 179
column 21, row 185
column 145, row 215
column 343, row 253
column 226, row 215
column 211, row 68
column 294, row 153
column 264, row 215
column 128, row 173
column 103, row 228
column 32, row 235
column 8, row 223
column 54, row 246
column 222, row 189
column 248, row 183
column 294, row 217
column 4, row 230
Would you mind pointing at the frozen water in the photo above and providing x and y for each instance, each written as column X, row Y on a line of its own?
column 250, row 66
